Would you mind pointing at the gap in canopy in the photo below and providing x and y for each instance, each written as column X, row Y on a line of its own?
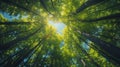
column 58, row 25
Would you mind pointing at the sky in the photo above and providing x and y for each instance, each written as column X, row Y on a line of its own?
column 59, row 26
column 8, row 16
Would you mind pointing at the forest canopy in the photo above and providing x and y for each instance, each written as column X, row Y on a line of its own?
column 90, row 35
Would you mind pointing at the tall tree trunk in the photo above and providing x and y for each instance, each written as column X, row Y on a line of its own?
column 15, row 23
column 12, row 33
column 8, row 31
column 36, row 50
column 44, row 6
column 9, row 59
column 36, row 63
column 29, row 56
column 112, row 16
column 109, row 49
column 18, row 5
column 101, row 52
column 10, row 56
column 108, row 8
column 26, row 54
column 22, row 57
column 52, row 4
column 88, row 4
column 14, row 42
column 85, row 52
column 39, row 55
column 91, row 59
column 43, row 60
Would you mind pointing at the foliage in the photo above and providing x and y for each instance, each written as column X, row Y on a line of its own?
column 91, row 37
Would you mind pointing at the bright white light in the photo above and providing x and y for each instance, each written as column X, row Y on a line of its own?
column 59, row 26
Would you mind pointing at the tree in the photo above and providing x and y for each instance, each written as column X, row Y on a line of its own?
column 91, row 37
column 14, row 23
column 88, row 4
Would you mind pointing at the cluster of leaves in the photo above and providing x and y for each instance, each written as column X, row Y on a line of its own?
column 91, row 37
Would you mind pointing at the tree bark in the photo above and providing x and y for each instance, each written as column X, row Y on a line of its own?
column 108, row 8
column 18, row 5
column 44, row 6
column 112, row 16
column 15, row 23
column 14, row 42
column 26, row 54
column 12, row 33
column 8, row 60
column 88, row 4
column 109, row 49
column 84, row 52
column 101, row 52
column 91, row 59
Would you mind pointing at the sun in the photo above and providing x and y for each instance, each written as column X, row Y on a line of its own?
column 58, row 25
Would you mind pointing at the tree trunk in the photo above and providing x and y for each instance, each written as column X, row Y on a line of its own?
column 12, row 33
column 88, row 4
column 44, row 6
column 39, row 55
column 18, row 5
column 14, row 42
column 84, row 52
column 108, row 8
column 8, row 60
column 15, row 23
column 101, row 52
column 26, row 54
column 112, row 16
column 109, row 49
column 91, row 59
